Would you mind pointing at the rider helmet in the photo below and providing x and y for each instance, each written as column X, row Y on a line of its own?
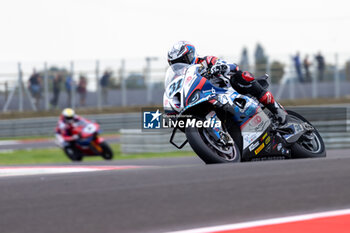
column 182, row 52
column 68, row 115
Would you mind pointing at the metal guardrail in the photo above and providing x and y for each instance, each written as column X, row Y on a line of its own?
column 45, row 126
column 137, row 141
column 333, row 124
column 333, row 127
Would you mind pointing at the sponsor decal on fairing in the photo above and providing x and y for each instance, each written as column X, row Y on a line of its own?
column 257, row 151
column 253, row 146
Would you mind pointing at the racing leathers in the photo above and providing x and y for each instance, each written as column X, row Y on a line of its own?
column 65, row 130
column 243, row 82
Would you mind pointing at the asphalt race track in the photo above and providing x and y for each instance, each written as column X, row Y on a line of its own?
column 173, row 194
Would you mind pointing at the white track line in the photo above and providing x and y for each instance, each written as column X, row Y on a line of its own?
column 9, row 142
column 266, row 222
column 41, row 170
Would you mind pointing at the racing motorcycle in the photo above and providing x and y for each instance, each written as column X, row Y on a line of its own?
column 88, row 142
column 239, row 128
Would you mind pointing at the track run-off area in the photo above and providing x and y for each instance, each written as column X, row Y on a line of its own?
column 178, row 194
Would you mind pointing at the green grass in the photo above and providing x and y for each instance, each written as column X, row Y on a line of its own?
column 56, row 155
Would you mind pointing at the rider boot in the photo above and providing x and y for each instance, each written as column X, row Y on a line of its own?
column 269, row 102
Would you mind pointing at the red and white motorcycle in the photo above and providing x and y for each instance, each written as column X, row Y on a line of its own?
column 86, row 142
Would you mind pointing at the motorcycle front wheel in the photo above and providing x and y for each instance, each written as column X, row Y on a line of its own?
column 73, row 154
column 209, row 149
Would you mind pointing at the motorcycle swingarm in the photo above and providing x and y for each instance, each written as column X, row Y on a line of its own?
column 297, row 131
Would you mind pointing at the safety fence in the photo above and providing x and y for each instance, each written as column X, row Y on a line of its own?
column 125, row 82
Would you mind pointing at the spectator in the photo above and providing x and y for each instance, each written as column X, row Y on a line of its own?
column 307, row 64
column 56, row 88
column 82, row 89
column 297, row 65
column 104, row 82
column 260, row 60
column 244, row 63
column 321, row 65
column 69, row 84
column 35, row 87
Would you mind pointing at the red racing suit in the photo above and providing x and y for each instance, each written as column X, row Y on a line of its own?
column 64, row 130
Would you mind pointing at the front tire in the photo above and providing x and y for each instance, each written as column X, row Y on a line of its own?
column 208, row 150
column 304, row 147
column 73, row 154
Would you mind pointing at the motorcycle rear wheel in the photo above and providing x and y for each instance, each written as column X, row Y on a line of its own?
column 305, row 148
column 107, row 152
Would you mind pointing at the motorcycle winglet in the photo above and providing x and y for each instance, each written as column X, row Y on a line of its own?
column 172, row 138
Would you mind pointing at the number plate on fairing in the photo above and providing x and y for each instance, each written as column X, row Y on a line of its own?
column 174, row 87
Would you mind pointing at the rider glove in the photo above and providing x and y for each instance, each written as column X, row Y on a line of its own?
column 220, row 68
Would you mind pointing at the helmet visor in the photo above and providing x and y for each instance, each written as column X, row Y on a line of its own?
column 187, row 58
column 69, row 119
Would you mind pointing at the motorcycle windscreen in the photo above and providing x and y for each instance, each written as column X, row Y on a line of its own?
column 173, row 72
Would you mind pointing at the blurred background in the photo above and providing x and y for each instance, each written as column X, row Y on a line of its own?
column 107, row 56
column 45, row 86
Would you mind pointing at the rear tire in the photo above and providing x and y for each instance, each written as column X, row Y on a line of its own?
column 107, row 152
column 208, row 151
column 299, row 149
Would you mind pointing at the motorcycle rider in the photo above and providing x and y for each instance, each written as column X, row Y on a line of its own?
column 242, row 81
column 65, row 126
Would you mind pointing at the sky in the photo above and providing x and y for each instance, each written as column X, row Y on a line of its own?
column 37, row 30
